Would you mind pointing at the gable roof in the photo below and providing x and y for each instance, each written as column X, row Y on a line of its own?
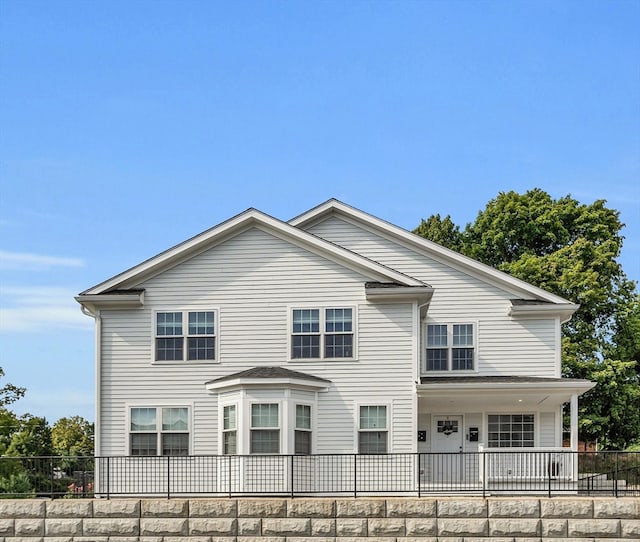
column 233, row 226
column 420, row 244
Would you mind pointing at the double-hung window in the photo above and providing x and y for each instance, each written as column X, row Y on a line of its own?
column 229, row 430
column 159, row 431
column 511, row 431
column 302, row 435
column 185, row 335
column 450, row 347
column 322, row 333
column 265, row 429
column 373, row 429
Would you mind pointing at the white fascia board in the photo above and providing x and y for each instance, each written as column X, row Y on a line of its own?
column 450, row 388
column 415, row 242
column 298, row 383
column 251, row 217
column 564, row 311
column 127, row 300
column 392, row 295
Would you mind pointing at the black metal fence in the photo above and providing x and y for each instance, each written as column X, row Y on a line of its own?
column 555, row 472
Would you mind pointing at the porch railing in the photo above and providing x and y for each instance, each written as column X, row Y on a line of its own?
column 489, row 472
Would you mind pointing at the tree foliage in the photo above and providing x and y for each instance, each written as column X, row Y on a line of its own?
column 72, row 437
column 9, row 393
column 570, row 249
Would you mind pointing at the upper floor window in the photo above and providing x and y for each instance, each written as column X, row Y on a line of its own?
column 322, row 333
column 159, row 431
column 186, row 335
column 450, row 347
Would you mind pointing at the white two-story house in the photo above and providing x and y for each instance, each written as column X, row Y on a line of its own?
column 333, row 333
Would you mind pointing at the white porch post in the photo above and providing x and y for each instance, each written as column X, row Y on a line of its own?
column 574, row 435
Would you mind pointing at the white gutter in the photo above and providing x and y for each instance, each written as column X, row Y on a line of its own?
column 98, row 368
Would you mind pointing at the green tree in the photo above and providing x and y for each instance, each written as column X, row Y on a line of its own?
column 32, row 439
column 570, row 249
column 441, row 230
column 72, row 437
column 9, row 393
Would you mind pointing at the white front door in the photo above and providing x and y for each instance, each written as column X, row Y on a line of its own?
column 446, row 446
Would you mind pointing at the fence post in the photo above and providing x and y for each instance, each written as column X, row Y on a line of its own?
column 549, row 471
column 229, row 473
column 108, row 478
column 355, row 475
column 419, row 469
column 615, row 486
column 51, row 475
column 484, row 473
column 168, row 477
column 291, row 480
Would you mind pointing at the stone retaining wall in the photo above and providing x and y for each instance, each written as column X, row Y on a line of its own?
column 446, row 519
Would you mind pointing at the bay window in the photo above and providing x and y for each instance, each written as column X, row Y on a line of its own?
column 265, row 429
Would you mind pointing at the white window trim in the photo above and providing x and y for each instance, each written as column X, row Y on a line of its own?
column 511, row 412
column 449, row 324
column 221, row 429
column 158, row 406
column 185, row 347
column 356, row 424
column 322, row 333
column 249, row 427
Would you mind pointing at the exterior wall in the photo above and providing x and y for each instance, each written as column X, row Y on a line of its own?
column 506, row 346
column 323, row 520
column 253, row 280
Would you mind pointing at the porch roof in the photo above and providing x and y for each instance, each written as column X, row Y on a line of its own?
column 523, row 392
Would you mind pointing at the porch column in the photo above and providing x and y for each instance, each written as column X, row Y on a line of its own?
column 574, row 423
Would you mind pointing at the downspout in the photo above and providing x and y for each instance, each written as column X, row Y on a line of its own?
column 98, row 368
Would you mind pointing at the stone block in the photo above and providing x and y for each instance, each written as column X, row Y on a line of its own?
column 213, row 508
column 360, row 508
column 630, row 528
column 213, row 527
column 249, row 526
column 411, row 508
column 495, row 539
column 594, row 527
column 366, row 539
column 116, row 508
column 418, row 539
column 22, row 508
column 553, row 528
column 262, row 508
column 310, row 539
column 110, row 527
column 164, row 527
column 311, row 508
column 386, row 527
column 143, row 539
column 24, row 539
column 462, row 527
column 260, row 539
column 421, row 526
column 65, row 508
column 95, row 539
column 6, row 527
column 462, row 508
column 165, row 508
column 514, row 508
column 63, row 527
column 29, row 527
column 286, row 527
column 323, row 527
column 191, row 539
column 566, row 508
column 616, row 508
column 70, row 539
column 351, row 527
column 514, row 527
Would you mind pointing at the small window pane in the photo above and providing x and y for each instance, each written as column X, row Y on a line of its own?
column 169, row 349
column 169, row 323
column 462, row 335
column 373, row 417
column 339, row 346
column 372, row 442
column 229, row 417
column 305, row 346
column 303, row 417
column 265, row 441
column 229, row 443
column 144, row 444
column 339, row 321
column 437, row 359
column 264, row 415
column 143, row 419
column 175, row 444
column 201, row 323
column 462, row 359
column 302, row 442
column 175, row 419
column 201, row 348
column 511, row 430
column 306, row 321
column 436, row 335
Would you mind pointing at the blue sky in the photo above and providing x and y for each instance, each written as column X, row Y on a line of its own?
column 127, row 127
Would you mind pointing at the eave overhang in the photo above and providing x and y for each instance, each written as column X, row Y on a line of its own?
column 118, row 299
column 521, row 308
column 391, row 293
